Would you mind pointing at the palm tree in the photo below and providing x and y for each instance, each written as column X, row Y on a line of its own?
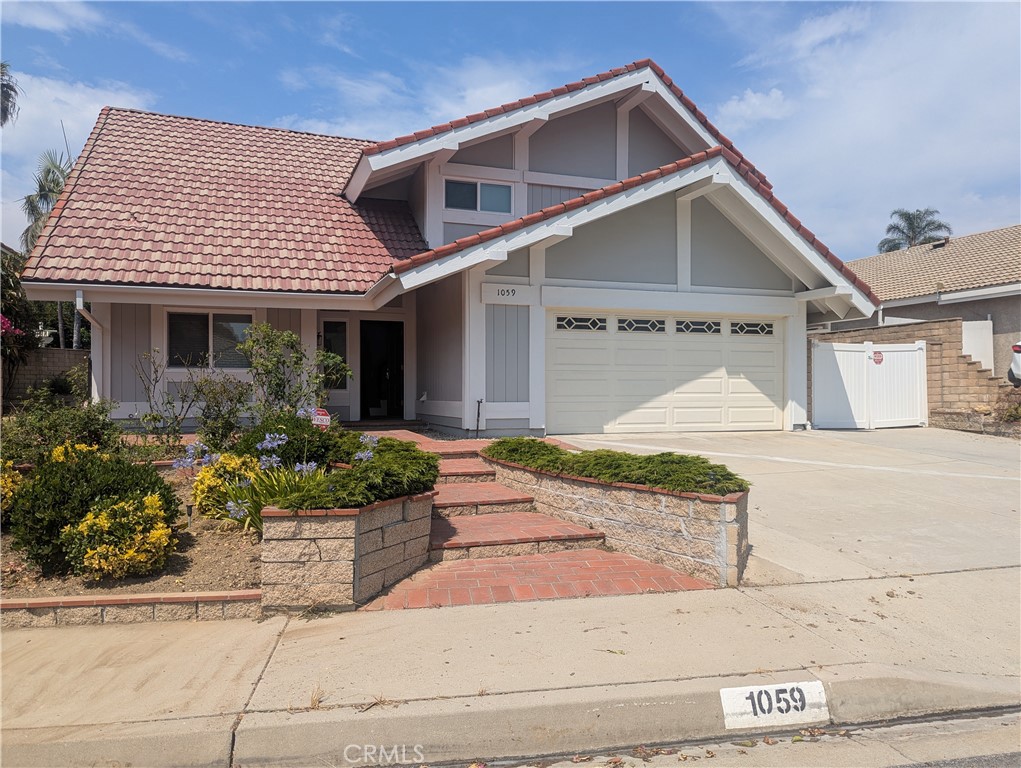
column 913, row 228
column 8, row 94
column 50, row 178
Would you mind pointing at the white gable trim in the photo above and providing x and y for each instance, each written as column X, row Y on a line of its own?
column 644, row 79
column 715, row 172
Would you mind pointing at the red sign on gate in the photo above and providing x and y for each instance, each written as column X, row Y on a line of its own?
column 321, row 418
column 877, row 358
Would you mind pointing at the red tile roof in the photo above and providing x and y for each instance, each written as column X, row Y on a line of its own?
column 528, row 101
column 173, row 201
column 736, row 162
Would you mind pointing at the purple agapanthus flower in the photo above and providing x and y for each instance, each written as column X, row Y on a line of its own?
column 269, row 462
column 308, row 466
column 237, row 510
column 185, row 462
column 363, row 455
column 371, row 441
column 272, row 442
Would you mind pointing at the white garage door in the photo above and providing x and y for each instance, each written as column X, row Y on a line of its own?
column 632, row 372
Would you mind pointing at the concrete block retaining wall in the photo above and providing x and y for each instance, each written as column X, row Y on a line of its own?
column 128, row 609
column 705, row 536
column 340, row 558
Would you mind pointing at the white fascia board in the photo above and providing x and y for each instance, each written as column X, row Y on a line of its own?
column 822, row 293
column 689, row 119
column 194, row 297
column 815, row 259
column 973, row 294
column 667, row 301
column 562, row 226
column 543, row 111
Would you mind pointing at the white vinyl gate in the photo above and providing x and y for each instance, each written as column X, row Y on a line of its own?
column 868, row 386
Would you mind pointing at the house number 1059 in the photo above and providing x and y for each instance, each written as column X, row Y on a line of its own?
column 506, row 291
column 786, row 700
column 789, row 703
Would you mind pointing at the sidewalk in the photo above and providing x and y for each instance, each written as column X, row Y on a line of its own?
column 503, row 680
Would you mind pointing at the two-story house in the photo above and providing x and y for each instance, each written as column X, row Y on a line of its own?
column 596, row 258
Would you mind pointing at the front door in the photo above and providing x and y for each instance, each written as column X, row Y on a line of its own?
column 382, row 369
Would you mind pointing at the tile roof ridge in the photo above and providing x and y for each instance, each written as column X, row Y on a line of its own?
column 68, row 190
column 212, row 121
column 950, row 240
column 735, row 160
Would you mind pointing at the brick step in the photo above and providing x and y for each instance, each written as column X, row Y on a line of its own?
column 455, row 499
column 505, row 534
column 454, row 449
column 465, row 471
column 577, row 573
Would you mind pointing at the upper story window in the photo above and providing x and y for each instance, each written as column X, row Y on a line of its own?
column 477, row 196
column 206, row 339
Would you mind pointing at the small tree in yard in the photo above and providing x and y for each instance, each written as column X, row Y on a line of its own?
column 283, row 376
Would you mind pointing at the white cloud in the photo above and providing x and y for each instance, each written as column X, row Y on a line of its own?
column 751, row 107
column 921, row 109
column 44, row 103
column 59, row 18
column 379, row 105
column 66, row 17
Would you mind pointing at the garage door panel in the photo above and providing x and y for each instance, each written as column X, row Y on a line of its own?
column 748, row 359
column 644, row 416
column 630, row 382
column 647, row 358
column 706, row 385
column 582, row 355
column 579, row 386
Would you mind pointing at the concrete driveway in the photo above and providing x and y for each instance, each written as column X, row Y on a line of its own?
column 829, row 505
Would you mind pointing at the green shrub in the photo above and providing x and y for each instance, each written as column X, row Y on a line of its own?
column 119, row 538
column 391, row 469
column 244, row 501
column 45, row 421
column 305, row 441
column 62, row 489
column 670, row 471
column 224, row 400
column 529, row 452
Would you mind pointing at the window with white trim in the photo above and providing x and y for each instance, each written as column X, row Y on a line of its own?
column 751, row 329
column 476, row 196
column 698, row 326
column 206, row 339
column 335, row 340
column 570, row 323
column 640, row 325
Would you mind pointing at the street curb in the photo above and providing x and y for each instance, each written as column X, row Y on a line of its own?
column 590, row 719
column 526, row 724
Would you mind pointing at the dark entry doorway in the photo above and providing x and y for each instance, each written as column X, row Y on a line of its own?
column 382, row 364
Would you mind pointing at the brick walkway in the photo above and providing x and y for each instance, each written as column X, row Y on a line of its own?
column 505, row 528
column 576, row 573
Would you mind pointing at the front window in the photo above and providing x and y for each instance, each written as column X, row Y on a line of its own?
column 206, row 340
column 335, row 340
column 473, row 196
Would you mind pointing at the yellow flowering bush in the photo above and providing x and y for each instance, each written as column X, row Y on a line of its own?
column 120, row 538
column 10, row 481
column 68, row 452
column 209, row 490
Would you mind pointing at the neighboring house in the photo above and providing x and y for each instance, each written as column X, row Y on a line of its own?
column 976, row 278
column 598, row 257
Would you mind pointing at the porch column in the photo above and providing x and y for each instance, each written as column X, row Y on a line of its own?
column 796, row 374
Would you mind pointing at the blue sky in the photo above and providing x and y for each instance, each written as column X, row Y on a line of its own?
column 851, row 110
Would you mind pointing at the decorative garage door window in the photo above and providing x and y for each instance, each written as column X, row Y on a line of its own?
column 751, row 329
column 699, row 326
column 640, row 325
column 569, row 323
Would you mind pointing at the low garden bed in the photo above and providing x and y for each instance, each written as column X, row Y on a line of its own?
column 680, row 511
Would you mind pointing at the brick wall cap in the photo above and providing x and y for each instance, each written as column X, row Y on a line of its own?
column 154, row 598
column 730, row 498
column 354, row 512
